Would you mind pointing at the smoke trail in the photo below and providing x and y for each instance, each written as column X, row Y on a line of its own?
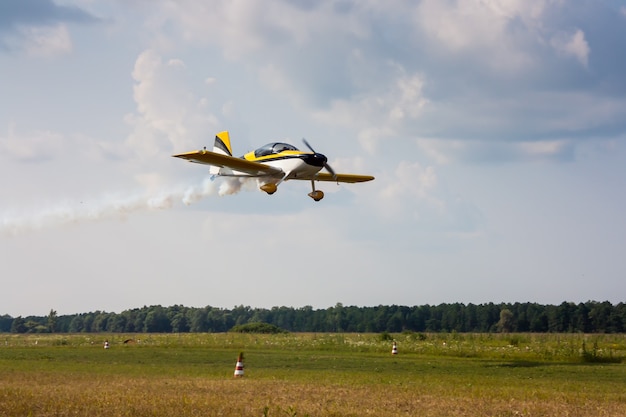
column 113, row 207
column 227, row 186
column 68, row 213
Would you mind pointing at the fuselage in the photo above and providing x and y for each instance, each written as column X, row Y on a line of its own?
column 292, row 161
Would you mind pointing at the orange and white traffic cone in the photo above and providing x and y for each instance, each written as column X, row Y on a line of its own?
column 394, row 349
column 239, row 366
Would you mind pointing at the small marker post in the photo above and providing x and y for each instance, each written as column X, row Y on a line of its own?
column 239, row 366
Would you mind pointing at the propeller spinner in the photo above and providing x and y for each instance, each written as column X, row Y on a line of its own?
column 322, row 158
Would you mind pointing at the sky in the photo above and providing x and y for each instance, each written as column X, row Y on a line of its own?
column 496, row 130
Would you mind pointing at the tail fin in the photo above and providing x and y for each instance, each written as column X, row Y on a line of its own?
column 221, row 146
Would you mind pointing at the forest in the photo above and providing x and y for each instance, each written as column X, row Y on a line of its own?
column 589, row 317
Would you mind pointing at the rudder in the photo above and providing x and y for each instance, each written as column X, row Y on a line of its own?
column 221, row 146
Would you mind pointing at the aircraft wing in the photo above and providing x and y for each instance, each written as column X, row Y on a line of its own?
column 251, row 168
column 350, row 178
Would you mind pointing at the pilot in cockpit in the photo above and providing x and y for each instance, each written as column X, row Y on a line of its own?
column 279, row 147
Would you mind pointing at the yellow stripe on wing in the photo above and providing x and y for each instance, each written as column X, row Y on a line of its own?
column 225, row 161
column 349, row 178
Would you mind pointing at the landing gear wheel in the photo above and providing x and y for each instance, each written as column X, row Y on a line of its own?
column 316, row 195
column 269, row 188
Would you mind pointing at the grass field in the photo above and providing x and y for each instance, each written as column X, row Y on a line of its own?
column 313, row 375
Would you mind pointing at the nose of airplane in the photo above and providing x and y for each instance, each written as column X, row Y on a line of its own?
column 315, row 159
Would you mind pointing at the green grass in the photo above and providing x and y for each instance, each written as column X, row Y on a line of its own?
column 313, row 374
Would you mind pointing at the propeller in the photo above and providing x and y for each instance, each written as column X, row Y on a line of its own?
column 328, row 167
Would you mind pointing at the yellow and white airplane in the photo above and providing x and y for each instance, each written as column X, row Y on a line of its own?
column 270, row 164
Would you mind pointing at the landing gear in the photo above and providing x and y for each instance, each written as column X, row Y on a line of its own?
column 316, row 195
column 269, row 188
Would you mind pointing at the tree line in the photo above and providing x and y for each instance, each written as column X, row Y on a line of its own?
column 589, row 317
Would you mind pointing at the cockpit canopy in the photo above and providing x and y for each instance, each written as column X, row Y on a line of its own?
column 274, row 148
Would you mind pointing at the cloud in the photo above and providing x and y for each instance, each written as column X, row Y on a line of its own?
column 498, row 38
column 132, row 176
column 572, row 44
column 302, row 51
column 489, row 152
column 411, row 179
column 37, row 146
column 408, row 193
column 494, row 73
column 46, row 41
column 39, row 13
column 414, row 207
column 40, row 146
column 39, row 27
column 447, row 78
column 380, row 112
column 169, row 116
column 243, row 28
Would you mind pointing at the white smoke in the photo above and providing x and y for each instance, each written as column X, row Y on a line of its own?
column 234, row 185
column 196, row 193
column 112, row 207
column 67, row 213
column 227, row 186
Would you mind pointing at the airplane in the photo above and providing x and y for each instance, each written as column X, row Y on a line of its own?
column 271, row 164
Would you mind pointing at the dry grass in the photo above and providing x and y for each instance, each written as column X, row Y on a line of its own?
column 193, row 377
column 119, row 396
